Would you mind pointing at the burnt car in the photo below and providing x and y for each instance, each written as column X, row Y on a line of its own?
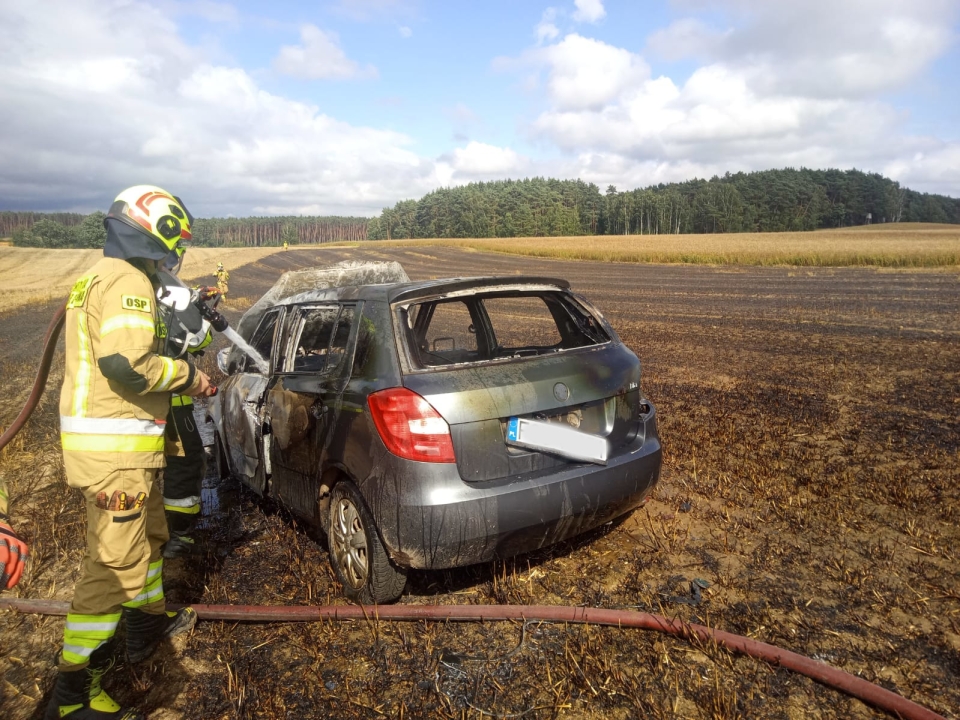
column 438, row 424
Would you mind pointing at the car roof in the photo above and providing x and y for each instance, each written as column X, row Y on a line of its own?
column 396, row 292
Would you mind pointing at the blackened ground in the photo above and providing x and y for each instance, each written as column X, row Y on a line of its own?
column 812, row 450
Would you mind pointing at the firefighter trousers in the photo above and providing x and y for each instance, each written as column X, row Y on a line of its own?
column 183, row 476
column 122, row 566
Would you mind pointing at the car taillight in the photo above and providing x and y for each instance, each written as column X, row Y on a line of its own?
column 410, row 427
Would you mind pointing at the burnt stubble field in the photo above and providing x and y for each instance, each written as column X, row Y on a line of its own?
column 810, row 487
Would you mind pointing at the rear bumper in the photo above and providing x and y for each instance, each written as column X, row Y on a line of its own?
column 445, row 522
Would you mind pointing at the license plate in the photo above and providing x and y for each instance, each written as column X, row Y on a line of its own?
column 557, row 439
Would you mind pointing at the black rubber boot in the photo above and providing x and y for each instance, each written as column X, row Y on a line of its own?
column 145, row 631
column 78, row 695
column 179, row 546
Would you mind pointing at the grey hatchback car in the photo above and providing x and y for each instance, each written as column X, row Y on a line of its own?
column 438, row 424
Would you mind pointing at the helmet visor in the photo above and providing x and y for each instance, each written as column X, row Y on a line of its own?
column 189, row 214
column 173, row 261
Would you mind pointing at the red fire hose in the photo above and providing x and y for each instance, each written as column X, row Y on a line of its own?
column 49, row 347
column 868, row 692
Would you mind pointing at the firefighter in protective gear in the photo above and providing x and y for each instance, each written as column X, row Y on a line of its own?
column 223, row 278
column 183, row 477
column 186, row 331
column 13, row 550
column 116, row 393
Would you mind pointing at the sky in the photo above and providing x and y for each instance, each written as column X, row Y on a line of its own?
column 344, row 107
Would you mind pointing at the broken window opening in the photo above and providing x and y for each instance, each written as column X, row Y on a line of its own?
column 262, row 342
column 496, row 326
column 321, row 336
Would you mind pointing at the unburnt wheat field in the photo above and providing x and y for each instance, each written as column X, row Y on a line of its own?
column 899, row 245
column 809, row 499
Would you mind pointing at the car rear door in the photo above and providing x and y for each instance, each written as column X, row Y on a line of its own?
column 303, row 399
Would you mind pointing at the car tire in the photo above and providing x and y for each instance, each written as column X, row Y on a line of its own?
column 357, row 555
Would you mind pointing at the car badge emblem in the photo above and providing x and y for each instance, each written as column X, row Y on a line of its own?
column 561, row 392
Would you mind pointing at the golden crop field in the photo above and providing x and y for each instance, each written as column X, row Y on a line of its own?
column 901, row 245
column 39, row 274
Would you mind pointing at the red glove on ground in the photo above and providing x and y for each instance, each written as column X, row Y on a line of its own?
column 13, row 554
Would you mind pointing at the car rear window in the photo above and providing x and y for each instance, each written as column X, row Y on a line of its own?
column 521, row 322
column 487, row 327
column 451, row 329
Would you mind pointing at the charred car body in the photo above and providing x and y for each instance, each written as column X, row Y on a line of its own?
column 438, row 424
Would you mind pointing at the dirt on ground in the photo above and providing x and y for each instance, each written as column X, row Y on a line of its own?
column 809, row 499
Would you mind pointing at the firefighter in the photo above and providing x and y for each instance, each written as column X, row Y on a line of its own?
column 185, row 331
column 116, row 394
column 183, row 477
column 13, row 550
column 223, row 278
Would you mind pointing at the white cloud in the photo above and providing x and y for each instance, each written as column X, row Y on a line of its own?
column 211, row 11
column 546, row 29
column 932, row 170
column 779, row 84
column 479, row 160
column 319, row 57
column 404, row 31
column 90, row 103
column 582, row 72
column 86, row 111
column 715, row 115
column 589, row 11
column 827, row 48
column 688, row 37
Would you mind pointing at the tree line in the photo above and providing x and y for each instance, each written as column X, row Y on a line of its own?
column 265, row 231
column 12, row 220
column 87, row 232
column 69, row 230
column 764, row 201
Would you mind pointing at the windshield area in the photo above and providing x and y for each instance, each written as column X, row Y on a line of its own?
column 494, row 326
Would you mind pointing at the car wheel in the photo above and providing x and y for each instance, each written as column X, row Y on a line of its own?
column 357, row 555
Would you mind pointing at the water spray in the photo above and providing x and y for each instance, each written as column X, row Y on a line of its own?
column 201, row 298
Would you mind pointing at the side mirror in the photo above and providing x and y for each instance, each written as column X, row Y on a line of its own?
column 223, row 360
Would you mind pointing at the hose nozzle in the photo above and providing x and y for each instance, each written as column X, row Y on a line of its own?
column 217, row 321
column 201, row 297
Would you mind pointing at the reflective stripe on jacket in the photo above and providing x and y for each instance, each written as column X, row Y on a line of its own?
column 116, row 388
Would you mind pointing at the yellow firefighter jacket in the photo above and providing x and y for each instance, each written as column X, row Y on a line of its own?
column 116, row 387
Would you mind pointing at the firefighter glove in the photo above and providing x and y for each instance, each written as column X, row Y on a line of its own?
column 13, row 555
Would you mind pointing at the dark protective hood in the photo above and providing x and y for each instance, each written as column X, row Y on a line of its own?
column 126, row 243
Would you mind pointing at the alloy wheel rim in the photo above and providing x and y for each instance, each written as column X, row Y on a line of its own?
column 350, row 543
